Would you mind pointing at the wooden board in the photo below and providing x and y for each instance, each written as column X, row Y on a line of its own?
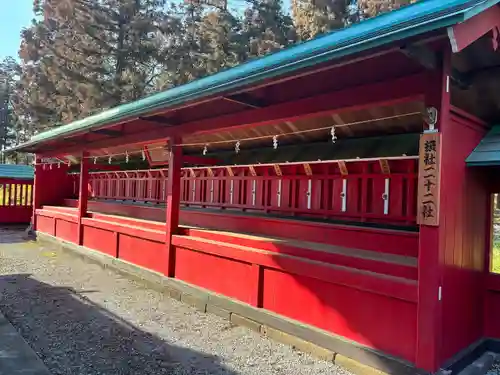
column 429, row 179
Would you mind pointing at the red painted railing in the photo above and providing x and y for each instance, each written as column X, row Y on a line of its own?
column 360, row 190
column 16, row 201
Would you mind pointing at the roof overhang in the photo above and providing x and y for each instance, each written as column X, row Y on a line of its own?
column 412, row 21
column 17, row 172
column 487, row 152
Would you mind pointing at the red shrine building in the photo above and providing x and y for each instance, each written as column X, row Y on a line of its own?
column 339, row 191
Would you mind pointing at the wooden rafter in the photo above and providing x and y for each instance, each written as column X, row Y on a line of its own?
column 379, row 94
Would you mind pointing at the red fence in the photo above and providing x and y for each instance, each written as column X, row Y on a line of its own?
column 360, row 190
column 16, row 201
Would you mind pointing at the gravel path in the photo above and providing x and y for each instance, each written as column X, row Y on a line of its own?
column 82, row 319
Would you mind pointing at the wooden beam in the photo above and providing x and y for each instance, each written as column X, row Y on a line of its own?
column 158, row 120
column 431, row 60
column 464, row 34
column 341, row 63
column 338, row 121
column 400, row 90
column 294, row 128
column 200, row 160
column 423, row 55
column 195, row 160
column 384, row 166
column 307, row 169
column 173, row 205
column 103, row 167
column 429, row 307
column 83, row 195
column 343, row 168
column 37, row 189
column 277, row 170
column 108, row 132
column 359, row 97
column 244, row 99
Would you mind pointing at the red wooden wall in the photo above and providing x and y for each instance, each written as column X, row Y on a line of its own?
column 54, row 184
column 396, row 242
column 343, row 293
column 463, row 233
column 16, row 201
column 333, row 298
column 267, row 282
column 284, row 284
column 371, row 319
column 344, row 302
column 492, row 306
column 56, row 224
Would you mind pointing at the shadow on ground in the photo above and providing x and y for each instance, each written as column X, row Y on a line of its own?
column 13, row 234
column 73, row 335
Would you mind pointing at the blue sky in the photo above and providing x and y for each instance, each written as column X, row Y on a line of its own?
column 15, row 15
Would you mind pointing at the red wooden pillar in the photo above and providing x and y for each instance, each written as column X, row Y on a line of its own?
column 83, row 194
column 37, row 189
column 430, row 258
column 173, row 202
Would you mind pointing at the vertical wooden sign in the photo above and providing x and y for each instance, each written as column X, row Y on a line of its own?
column 428, row 179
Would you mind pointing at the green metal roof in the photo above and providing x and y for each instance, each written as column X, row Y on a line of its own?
column 487, row 151
column 412, row 20
column 21, row 172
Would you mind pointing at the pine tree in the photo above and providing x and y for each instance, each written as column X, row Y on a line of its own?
column 201, row 41
column 221, row 43
column 82, row 56
column 133, row 31
column 7, row 72
column 266, row 27
column 193, row 57
column 65, row 64
column 372, row 8
column 88, row 55
column 10, row 133
column 315, row 17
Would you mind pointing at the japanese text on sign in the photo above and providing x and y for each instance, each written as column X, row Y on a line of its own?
column 428, row 180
